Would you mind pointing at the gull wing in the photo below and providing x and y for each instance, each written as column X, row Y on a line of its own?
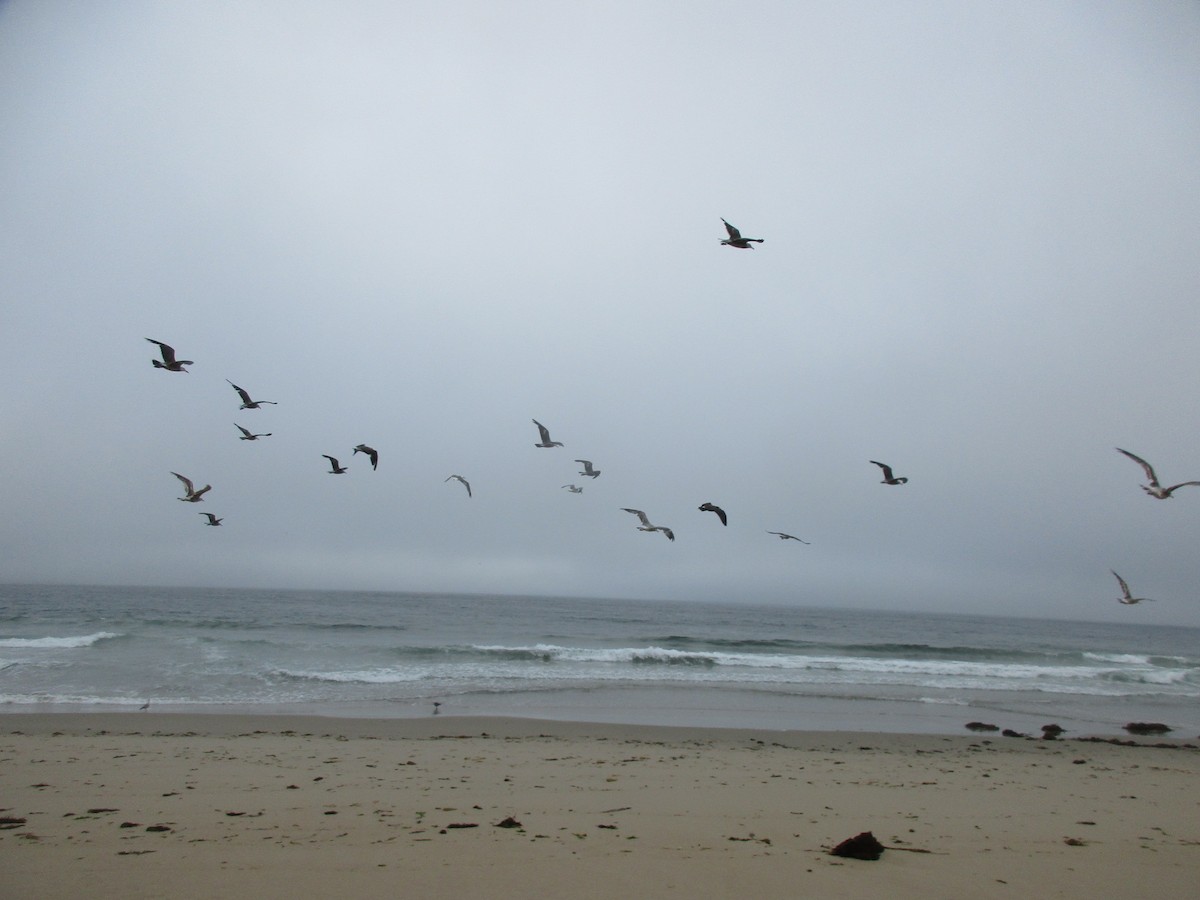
column 1181, row 484
column 1146, row 467
column 784, row 536
column 641, row 515
column 241, row 393
column 734, row 234
column 1124, row 586
column 187, row 482
column 167, row 351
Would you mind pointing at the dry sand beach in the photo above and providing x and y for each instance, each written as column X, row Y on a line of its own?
column 149, row 805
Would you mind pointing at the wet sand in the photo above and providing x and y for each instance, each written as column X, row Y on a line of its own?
column 149, row 805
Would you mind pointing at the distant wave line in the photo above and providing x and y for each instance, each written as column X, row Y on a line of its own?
column 59, row 643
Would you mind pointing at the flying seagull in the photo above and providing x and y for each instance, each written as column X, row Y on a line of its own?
column 786, row 537
column 888, row 477
column 1154, row 489
column 709, row 507
column 248, row 435
column 193, row 495
column 464, row 482
column 587, row 468
column 247, row 403
column 372, row 454
column 545, row 433
column 1126, row 598
column 735, row 239
column 646, row 526
column 169, row 362
column 573, row 488
column 335, row 468
column 212, row 520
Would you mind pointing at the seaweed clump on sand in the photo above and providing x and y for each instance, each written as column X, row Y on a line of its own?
column 861, row 846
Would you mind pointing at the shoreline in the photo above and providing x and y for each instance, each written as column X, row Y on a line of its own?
column 690, row 708
column 162, row 804
column 231, row 724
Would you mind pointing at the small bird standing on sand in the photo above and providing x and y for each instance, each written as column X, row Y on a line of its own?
column 212, row 520
column 1154, row 489
column 888, row 477
column 247, row 403
column 248, row 435
column 1127, row 599
column 587, row 468
column 646, row 526
column 169, row 362
column 372, row 454
column 335, row 468
column 786, row 537
column 463, row 481
column 545, row 434
column 573, row 488
column 191, row 494
column 735, row 239
column 709, row 507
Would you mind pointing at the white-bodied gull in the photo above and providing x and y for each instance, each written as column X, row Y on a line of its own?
column 1154, row 489
column 248, row 435
column 784, row 536
column 192, row 495
column 247, row 403
column 647, row 526
column 1126, row 597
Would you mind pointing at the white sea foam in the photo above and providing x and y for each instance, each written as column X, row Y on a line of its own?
column 58, row 643
column 866, row 664
column 360, row 676
column 944, row 701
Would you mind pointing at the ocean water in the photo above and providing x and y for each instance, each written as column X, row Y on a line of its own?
column 73, row 648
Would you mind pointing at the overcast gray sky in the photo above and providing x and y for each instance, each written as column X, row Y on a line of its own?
column 419, row 226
